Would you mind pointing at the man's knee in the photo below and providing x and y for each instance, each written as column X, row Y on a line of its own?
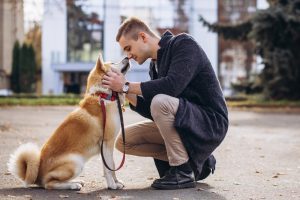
column 158, row 104
column 162, row 104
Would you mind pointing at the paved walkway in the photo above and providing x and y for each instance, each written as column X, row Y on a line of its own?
column 259, row 159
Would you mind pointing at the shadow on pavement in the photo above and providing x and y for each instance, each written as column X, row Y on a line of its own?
column 200, row 192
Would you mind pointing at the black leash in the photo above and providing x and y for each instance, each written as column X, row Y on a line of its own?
column 122, row 127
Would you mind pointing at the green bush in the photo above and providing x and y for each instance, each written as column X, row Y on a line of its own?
column 15, row 73
column 23, row 69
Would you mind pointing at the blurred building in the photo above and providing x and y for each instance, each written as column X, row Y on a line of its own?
column 236, row 60
column 75, row 31
column 11, row 30
column 73, row 36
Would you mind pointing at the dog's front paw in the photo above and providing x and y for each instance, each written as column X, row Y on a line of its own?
column 116, row 186
column 120, row 184
column 112, row 186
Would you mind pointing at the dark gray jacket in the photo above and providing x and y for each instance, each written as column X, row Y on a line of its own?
column 185, row 72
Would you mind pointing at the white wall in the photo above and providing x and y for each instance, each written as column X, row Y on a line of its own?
column 207, row 40
column 112, row 21
column 54, row 48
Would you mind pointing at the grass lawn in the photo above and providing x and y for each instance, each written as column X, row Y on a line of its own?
column 240, row 102
column 259, row 101
column 38, row 101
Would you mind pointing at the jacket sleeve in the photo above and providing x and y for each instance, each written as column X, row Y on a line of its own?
column 185, row 61
column 142, row 107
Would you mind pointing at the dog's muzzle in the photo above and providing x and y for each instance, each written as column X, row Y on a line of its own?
column 125, row 65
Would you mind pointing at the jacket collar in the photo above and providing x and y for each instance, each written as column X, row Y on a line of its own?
column 165, row 39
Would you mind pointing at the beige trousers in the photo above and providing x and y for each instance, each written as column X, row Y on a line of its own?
column 158, row 139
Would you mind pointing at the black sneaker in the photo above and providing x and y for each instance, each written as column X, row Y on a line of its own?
column 177, row 177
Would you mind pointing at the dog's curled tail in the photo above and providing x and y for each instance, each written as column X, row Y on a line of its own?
column 24, row 163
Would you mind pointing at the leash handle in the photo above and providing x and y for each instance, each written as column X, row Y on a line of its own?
column 123, row 132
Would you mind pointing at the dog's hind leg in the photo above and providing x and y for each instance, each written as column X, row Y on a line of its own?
column 63, row 186
column 110, row 176
column 59, row 177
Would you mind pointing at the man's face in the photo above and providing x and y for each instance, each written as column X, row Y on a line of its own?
column 136, row 49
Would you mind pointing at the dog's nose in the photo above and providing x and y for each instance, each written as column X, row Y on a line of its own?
column 126, row 65
column 125, row 61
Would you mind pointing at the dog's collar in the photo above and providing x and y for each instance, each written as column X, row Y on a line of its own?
column 105, row 96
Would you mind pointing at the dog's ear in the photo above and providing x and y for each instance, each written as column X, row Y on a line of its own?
column 100, row 63
column 125, row 65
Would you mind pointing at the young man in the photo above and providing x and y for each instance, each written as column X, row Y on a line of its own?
column 183, row 100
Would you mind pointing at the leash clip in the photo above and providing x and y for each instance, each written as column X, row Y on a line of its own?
column 101, row 101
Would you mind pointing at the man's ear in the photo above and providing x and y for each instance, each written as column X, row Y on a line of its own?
column 100, row 63
column 143, row 36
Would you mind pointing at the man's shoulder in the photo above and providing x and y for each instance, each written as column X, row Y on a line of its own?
column 183, row 37
column 169, row 40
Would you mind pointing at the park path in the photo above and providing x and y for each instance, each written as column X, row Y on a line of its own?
column 259, row 159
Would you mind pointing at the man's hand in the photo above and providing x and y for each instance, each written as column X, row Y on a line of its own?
column 114, row 80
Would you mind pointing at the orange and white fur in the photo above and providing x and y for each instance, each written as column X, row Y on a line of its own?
column 74, row 142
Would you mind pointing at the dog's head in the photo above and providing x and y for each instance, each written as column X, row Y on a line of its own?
column 94, row 82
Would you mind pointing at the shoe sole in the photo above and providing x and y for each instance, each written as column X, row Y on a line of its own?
column 174, row 187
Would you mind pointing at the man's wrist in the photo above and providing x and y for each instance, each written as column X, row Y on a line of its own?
column 125, row 87
column 135, row 88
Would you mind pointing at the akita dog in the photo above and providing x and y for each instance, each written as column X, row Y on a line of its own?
column 75, row 141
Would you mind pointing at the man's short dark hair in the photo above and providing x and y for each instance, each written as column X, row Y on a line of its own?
column 131, row 27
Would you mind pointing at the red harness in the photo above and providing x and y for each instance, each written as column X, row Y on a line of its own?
column 113, row 97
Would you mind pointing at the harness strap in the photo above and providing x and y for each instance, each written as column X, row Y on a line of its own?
column 122, row 127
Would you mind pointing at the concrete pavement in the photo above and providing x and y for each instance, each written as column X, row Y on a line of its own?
column 259, row 159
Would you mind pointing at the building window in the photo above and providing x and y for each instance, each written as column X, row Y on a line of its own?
column 75, row 82
column 84, row 31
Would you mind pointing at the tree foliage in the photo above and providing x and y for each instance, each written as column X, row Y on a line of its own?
column 15, row 73
column 27, row 69
column 24, row 69
column 276, row 34
column 34, row 37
